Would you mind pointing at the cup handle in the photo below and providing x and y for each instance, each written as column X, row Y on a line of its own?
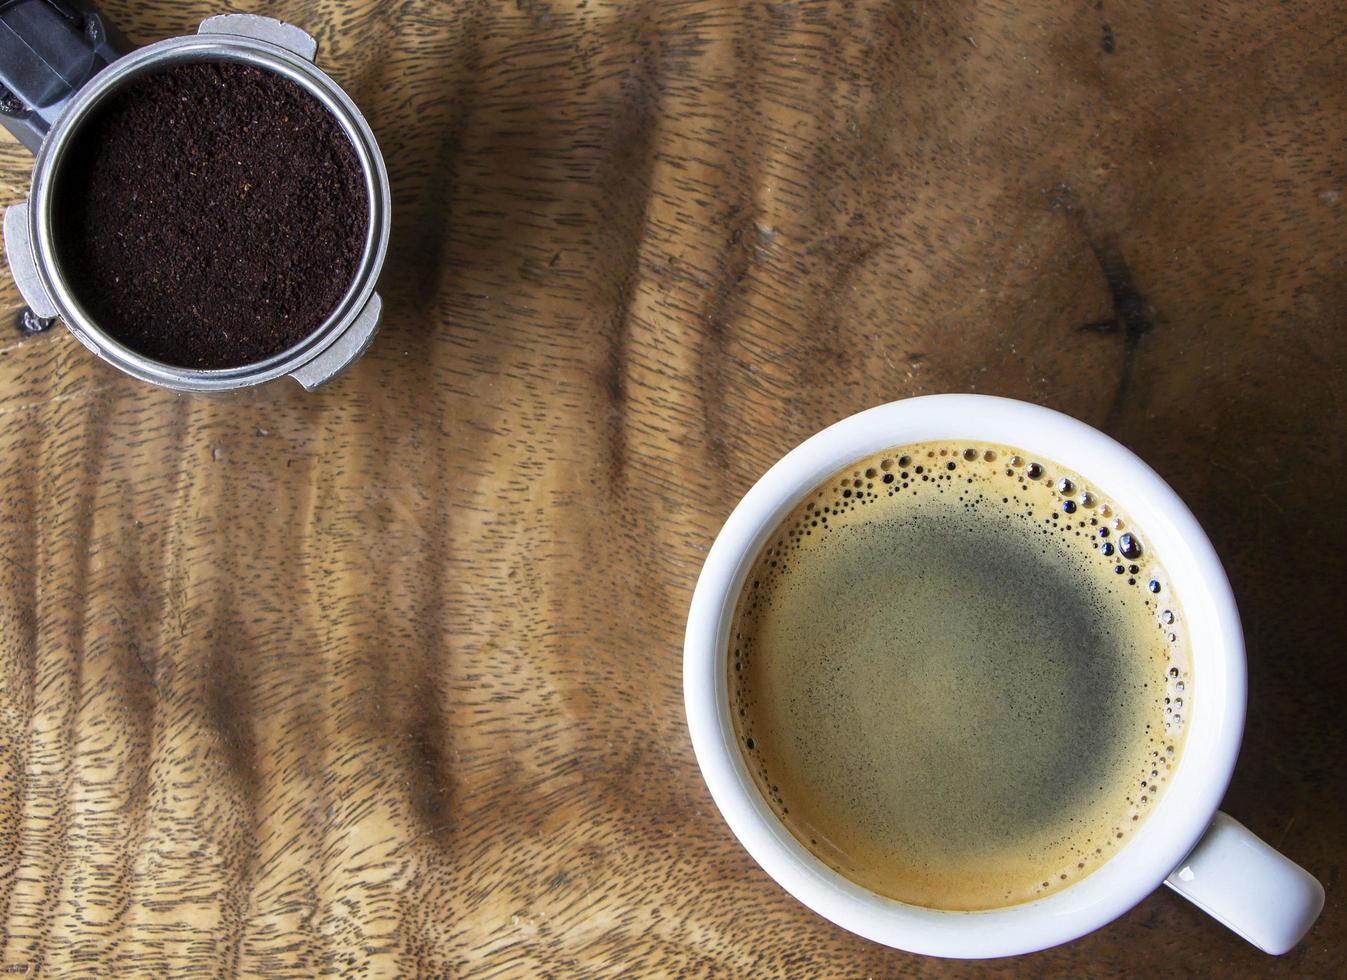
column 1249, row 887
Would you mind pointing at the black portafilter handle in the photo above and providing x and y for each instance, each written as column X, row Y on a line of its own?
column 48, row 50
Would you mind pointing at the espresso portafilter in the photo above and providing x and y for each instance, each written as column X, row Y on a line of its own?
column 59, row 61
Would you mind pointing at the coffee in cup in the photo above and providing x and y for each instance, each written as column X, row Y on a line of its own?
column 958, row 673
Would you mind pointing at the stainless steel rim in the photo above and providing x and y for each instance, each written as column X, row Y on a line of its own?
column 213, row 47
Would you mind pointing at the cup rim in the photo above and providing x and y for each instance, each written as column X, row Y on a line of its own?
column 1216, row 715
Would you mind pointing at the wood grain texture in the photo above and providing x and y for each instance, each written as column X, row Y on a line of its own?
column 385, row 679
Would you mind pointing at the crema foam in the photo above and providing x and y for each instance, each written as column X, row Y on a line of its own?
column 960, row 675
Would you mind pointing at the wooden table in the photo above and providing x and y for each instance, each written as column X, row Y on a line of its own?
column 385, row 679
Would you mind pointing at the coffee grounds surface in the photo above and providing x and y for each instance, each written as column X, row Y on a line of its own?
column 211, row 215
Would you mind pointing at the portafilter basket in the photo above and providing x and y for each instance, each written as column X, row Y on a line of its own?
column 58, row 62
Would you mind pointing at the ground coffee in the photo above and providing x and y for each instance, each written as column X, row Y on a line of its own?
column 211, row 215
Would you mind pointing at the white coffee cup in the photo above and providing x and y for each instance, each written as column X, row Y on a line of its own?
column 1185, row 843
